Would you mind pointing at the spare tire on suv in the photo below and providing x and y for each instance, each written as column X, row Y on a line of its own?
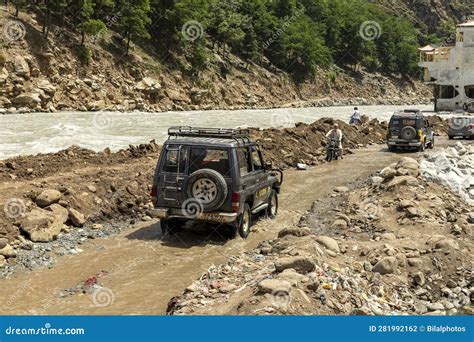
column 208, row 187
column 408, row 133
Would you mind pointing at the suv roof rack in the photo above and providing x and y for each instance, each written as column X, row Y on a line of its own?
column 188, row 131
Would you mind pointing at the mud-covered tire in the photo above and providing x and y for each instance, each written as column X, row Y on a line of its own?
column 213, row 179
column 329, row 156
column 408, row 133
column 245, row 222
column 272, row 209
column 171, row 226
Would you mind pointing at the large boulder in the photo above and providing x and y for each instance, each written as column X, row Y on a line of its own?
column 47, row 87
column 148, row 85
column 8, row 251
column 299, row 263
column 76, row 218
column 41, row 225
column 60, row 212
column 3, row 75
column 328, row 243
column 402, row 180
column 386, row 265
column 48, row 197
column 274, row 286
column 26, row 100
column 410, row 167
column 21, row 67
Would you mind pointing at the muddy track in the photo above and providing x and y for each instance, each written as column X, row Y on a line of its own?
column 143, row 270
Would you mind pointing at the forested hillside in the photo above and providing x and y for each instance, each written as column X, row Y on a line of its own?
column 295, row 35
column 188, row 54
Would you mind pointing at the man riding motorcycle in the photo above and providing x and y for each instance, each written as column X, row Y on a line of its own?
column 355, row 117
column 335, row 134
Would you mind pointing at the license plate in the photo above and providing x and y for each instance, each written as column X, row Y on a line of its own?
column 211, row 217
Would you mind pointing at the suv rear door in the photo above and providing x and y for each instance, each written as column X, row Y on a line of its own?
column 172, row 176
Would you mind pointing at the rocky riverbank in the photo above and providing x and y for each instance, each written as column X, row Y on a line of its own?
column 395, row 243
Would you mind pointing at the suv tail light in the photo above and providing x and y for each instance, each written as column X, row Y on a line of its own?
column 154, row 191
column 154, row 194
column 470, row 126
column 235, row 205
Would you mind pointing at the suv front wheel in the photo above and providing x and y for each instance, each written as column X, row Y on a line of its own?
column 245, row 222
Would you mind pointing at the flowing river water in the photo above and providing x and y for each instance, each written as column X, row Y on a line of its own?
column 25, row 134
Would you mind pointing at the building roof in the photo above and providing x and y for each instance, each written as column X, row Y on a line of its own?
column 467, row 24
column 427, row 48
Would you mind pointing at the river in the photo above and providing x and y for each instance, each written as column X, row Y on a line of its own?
column 25, row 134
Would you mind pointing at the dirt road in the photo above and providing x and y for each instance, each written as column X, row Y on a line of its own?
column 143, row 271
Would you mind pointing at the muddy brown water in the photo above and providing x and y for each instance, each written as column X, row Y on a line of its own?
column 145, row 271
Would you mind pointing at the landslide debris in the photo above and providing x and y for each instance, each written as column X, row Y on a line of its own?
column 405, row 248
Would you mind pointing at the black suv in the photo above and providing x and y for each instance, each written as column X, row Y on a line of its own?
column 214, row 175
column 410, row 129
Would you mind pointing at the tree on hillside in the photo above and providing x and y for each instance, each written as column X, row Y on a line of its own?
column 133, row 20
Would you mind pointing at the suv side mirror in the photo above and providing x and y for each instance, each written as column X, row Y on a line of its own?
column 268, row 165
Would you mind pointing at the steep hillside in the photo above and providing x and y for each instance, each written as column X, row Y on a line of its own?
column 57, row 73
column 429, row 15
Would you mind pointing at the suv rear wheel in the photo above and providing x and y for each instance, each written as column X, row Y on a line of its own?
column 245, row 222
column 171, row 226
column 272, row 209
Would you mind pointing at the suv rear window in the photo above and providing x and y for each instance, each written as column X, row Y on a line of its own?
column 171, row 160
column 209, row 158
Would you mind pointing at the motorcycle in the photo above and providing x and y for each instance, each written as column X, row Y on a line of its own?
column 354, row 121
column 333, row 152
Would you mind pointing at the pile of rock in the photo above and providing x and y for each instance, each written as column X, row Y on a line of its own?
column 395, row 244
column 454, row 168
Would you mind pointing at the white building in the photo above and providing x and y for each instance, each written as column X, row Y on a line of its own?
column 450, row 69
